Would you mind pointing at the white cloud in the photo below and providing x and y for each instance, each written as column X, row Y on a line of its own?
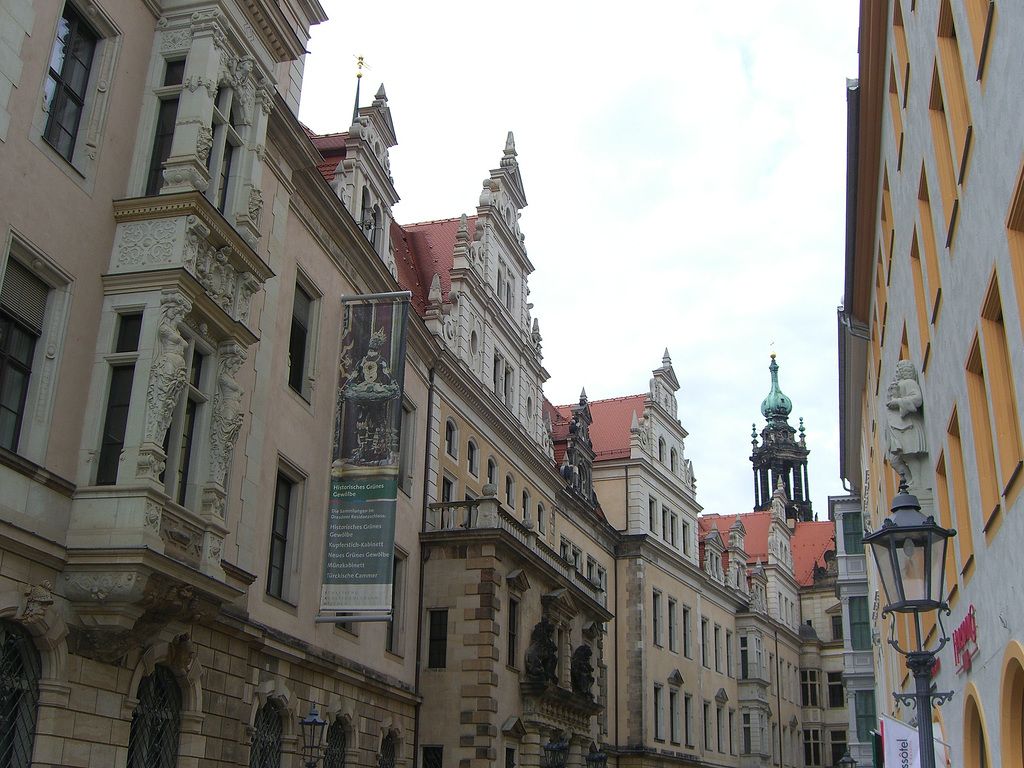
column 685, row 167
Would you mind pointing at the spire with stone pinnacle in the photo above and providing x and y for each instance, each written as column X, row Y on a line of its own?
column 780, row 460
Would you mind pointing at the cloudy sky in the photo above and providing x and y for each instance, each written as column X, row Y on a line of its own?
column 684, row 164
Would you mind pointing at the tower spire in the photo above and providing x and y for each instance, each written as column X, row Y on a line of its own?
column 360, row 64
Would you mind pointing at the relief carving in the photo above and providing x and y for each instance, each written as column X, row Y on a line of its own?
column 99, row 587
column 38, row 599
column 142, row 243
column 176, row 39
column 255, row 206
column 204, row 142
column 217, row 276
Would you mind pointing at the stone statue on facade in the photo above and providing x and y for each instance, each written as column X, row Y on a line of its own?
column 582, row 671
column 168, row 376
column 905, row 432
column 227, row 409
column 542, row 655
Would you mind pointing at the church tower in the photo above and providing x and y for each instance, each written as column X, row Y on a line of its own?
column 780, row 457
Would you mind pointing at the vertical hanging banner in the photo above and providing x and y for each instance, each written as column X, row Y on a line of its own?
column 360, row 541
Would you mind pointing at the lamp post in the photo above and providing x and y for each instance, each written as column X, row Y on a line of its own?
column 312, row 727
column 556, row 753
column 846, row 761
column 910, row 552
column 596, row 758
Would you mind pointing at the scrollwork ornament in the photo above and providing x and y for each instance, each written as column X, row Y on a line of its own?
column 142, row 243
column 255, row 205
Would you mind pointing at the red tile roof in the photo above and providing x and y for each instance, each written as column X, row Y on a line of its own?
column 332, row 147
column 809, row 543
column 610, row 431
column 423, row 250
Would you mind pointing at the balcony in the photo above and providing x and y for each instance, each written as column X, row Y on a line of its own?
column 487, row 514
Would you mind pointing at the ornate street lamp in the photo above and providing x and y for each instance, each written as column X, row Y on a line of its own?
column 910, row 552
column 312, row 726
column 596, row 758
column 556, row 753
column 846, row 761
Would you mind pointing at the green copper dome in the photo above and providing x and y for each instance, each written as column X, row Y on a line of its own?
column 776, row 405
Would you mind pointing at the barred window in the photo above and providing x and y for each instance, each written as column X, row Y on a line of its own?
column 156, row 722
column 19, row 695
column 337, row 742
column 433, row 757
column 387, row 752
column 266, row 738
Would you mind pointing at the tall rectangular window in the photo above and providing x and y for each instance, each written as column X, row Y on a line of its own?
column 860, row 624
column 837, row 625
column 705, row 642
column 67, row 81
column 673, row 625
column 748, row 745
column 277, row 573
column 659, row 712
column 673, row 716
column 395, row 628
column 984, row 450
column 513, row 632
column 812, row 748
column 744, row 658
column 965, row 537
column 728, row 654
column 732, row 731
column 687, row 633
column 836, row 695
column 837, row 740
column 299, row 342
column 656, row 617
column 174, row 73
column 720, row 727
column 22, row 308
column 437, row 643
column 1001, row 391
column 119, row 395
column 688, row 719
column 707, row 726
column 809, row 687
column 864, row 707
column 853, row 532
column 406, row 453
column 181, row 440
column 718, row 648
column 652, row 511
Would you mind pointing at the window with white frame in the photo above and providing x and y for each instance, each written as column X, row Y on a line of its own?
column 659, row 712
column 169, row 94
column 674, row 718
column 656, row 617
column 473, row 458
column 451, row 439
column 407, row 449
column 510, row 493
column 188, row 424
column 673, row 625
column 227, row 142
column 282, row 537
column 119, row 395
column 34, row 302
column 492, row 471
column 447, row 489
column 301, row 341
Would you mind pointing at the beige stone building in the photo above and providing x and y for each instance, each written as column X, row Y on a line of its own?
column 171, row 315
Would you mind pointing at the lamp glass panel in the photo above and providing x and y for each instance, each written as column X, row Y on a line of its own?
column 912, row 549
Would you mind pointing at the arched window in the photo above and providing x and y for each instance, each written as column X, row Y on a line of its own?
column 510, row 492
column 337, row 743
column 673, row 457
column 375, row 224
column 265, row 751
column 542, row 518
column 366, row 214
column 451, row 439
column 156, row 721
column 661, row 449
column 526, row 504
column 473, row 458
column 19, row 694
column 388, row 748
column 492, row 472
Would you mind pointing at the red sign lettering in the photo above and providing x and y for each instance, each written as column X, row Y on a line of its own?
column 966, row 633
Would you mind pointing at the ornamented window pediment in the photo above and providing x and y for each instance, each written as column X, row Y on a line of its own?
column 518, row 580
column 676, row 678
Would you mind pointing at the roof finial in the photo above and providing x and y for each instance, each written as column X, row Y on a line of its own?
column 360, row 66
